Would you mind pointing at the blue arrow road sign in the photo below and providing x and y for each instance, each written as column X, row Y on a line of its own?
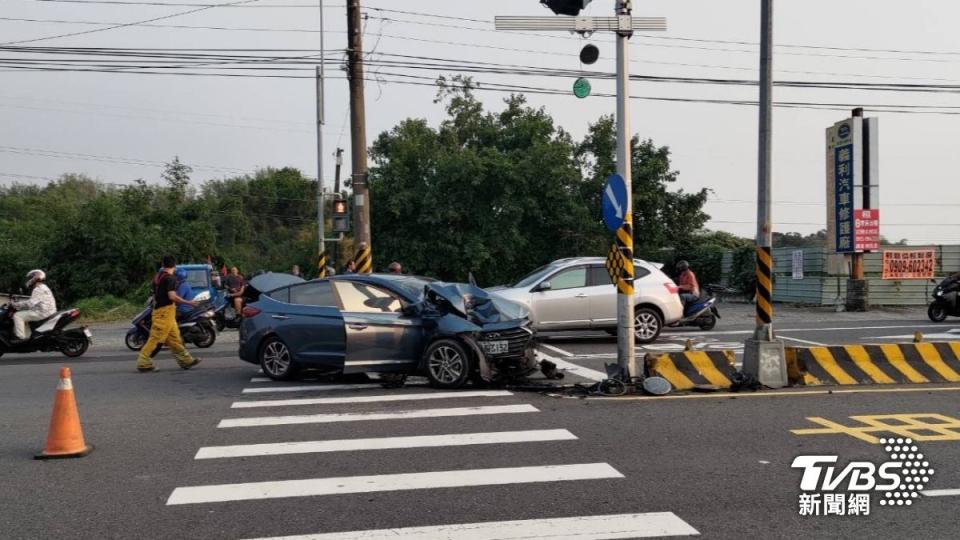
column 614, row 202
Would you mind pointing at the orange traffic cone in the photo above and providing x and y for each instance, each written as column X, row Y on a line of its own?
column 65, row 439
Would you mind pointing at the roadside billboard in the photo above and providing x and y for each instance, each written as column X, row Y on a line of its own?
column 909, row 264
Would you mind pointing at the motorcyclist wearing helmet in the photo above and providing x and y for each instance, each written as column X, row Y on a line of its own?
column 687, row 283
column 38, row 307
column 184, row 290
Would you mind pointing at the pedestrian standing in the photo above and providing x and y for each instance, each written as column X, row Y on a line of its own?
column 395, row 268
column 296, row 270
column 164, row 329
column 351, row 267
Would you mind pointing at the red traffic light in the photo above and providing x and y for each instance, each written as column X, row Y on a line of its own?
column 339, row 207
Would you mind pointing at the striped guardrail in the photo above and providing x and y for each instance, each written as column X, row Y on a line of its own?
column 904, row 363
column 689, row 369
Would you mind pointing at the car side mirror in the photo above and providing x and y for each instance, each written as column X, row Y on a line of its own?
column 545, row 286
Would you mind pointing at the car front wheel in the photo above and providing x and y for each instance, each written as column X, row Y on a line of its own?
column 276, row 360
column 647, row 325
column 448, row 364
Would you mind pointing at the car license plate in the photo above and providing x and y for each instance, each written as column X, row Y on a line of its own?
column 87, row 333
column 496, row 347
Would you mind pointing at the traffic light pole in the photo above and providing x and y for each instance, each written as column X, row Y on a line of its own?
column 626, row 353
column 624, row 25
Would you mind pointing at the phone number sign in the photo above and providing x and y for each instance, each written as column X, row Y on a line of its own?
column 914, row 264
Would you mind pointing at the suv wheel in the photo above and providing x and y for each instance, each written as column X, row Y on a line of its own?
column 647, row 325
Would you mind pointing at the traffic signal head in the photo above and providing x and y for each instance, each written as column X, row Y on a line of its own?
column 341, row 216
column 566, row 7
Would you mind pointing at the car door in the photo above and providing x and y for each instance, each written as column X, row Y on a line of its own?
column 379, row 336
column 308, row 320
column 565, row 303
column 603, row 294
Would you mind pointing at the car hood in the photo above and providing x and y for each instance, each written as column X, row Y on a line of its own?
column 472, row 303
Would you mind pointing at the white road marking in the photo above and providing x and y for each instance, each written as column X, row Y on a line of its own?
column 261, row 379
column 557, row 350
column 950, row 335
column 941, row 492
column 384, row 443
column 355, row 417
column 369, row 399
column 581, row 371
column 390, row 482
column 654, row 524
column 311, row 388
column 804, row 341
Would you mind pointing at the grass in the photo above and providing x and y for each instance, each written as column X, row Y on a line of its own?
column 107, row 309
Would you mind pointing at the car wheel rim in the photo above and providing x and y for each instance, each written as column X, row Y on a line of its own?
column 446, row 364
column 276, row 358
column 646, row 325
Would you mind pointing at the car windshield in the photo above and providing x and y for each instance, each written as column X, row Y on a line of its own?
column 198, row 278
column 535, row 276
column 410, row 285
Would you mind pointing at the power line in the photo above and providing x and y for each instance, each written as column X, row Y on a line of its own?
column 107, row 159
column 125, row 25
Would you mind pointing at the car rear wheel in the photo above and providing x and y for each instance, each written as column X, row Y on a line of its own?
column 276, row 360
column 646, row 325
column 448, row 364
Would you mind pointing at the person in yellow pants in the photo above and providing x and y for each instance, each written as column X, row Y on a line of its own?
column 164, row 329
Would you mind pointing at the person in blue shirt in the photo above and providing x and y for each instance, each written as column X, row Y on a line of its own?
column 184, row 290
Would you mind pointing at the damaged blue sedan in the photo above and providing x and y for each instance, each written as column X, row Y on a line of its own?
column 388, row 324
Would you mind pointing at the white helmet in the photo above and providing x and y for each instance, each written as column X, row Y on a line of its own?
column 34, row 276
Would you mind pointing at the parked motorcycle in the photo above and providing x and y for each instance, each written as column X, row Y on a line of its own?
column 945, row 302
column 703, row 312
column 46, row 335
column 196, row 326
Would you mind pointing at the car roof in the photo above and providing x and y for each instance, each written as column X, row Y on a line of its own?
column 572, row 261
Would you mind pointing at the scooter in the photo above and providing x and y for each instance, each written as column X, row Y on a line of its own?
column 945, row 302
column 196, row 326
column 703, row 312
column 225, row 314
column 46, row 335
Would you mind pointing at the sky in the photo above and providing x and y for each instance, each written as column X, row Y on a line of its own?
column 123, row 125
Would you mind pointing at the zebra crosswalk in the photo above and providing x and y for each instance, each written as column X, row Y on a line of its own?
column 441, row 420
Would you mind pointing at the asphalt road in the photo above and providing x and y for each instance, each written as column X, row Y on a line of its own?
column 718, row 465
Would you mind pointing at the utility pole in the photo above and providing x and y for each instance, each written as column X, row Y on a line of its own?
column 764, row 183
column 626, row 353
column 624, row 25
column 321, row 223
column 361, row 202
column 763, row 355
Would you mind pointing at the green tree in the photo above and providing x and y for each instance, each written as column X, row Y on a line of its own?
column 661, row 217
column 496, row 194
column 177, row 176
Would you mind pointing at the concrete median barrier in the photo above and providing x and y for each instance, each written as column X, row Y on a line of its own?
column 903, row 363
column 689, row 369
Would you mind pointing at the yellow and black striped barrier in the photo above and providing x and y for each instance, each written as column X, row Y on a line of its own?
column 904, row 363
column 620, row 259
column 322, row 265
column 689, row 369
column 363, row 260
column 764, row 286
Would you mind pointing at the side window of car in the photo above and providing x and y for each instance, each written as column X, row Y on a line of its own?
column 569, row 279
column 363, row 298
column 281, row 295
column 313, row 294
column 599, row 276
column 640, row 272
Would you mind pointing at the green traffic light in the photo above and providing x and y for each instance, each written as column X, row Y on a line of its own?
column 581, row 88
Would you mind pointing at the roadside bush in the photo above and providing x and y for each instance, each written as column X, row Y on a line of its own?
column 106, row 308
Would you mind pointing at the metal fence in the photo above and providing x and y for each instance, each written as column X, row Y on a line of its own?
column 820, row 287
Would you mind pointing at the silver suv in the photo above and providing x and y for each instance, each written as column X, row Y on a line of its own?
column 576, row 294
